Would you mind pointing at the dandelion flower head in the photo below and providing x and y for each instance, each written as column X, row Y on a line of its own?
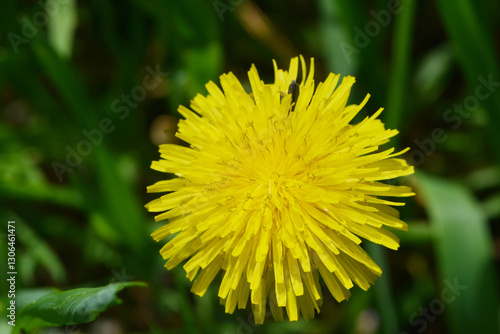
column 276, row 190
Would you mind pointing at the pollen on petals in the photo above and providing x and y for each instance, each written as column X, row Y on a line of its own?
column 275, row 198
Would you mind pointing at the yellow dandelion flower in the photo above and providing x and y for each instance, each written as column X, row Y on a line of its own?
column 275, row 190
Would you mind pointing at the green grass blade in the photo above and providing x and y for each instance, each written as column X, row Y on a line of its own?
column 41, row 251
column 469, row 37
column 473, row 45
column 115, row 194
column 397, row 95
column 432, row 75
column 465, row 255
column 382, row 289
column 336, row 39
column 61, row 26
column 418, row 233
column 42, row 192
column 66, row 80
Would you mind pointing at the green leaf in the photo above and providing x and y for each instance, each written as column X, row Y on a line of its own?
column 465, row 256
column 41, row 251
column 492, row 206
column 27, row 296
column 37, row 252
column 77, row 306
column 473, row 44
column 382, row 290
column 346, row 47
column 61, row 26
column 21, row 179
column 397, row 96
column 432, row 74
column 336, row 38
column 419, row 232
column 123, row 210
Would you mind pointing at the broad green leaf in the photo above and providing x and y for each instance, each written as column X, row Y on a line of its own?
column 27, row 296
column 464, row 254
column 77, row 306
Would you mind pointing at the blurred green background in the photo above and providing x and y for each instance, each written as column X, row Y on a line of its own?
column 89, row 89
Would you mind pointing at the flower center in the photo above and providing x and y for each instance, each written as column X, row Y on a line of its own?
column 277, row 191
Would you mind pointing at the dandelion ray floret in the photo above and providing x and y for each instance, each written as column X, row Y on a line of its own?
column 276, row 190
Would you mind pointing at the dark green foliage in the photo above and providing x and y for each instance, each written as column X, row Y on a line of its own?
column 88, row 89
